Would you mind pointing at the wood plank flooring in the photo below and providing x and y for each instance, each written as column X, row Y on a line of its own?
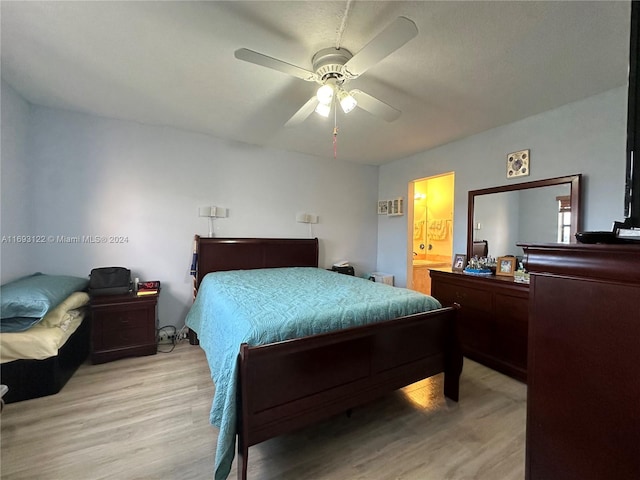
column 147, row 418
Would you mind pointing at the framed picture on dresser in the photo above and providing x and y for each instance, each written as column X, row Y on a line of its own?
column 506, row 266
column 459, row 262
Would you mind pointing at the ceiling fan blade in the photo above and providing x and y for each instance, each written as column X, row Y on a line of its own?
column 399, row 32
column 304, row 112
column 275, row 64
column 376, row 107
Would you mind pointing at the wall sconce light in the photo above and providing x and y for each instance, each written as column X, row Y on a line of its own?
column 213, row 212
column 306, row 218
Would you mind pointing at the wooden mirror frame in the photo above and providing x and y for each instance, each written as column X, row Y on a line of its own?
column 572, row 180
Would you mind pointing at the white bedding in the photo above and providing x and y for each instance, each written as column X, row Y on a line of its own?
column 45, row 339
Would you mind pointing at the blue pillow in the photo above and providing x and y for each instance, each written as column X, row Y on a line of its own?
column 34, row 295
column 17, row 324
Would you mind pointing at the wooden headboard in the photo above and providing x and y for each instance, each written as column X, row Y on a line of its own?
column 219, row 254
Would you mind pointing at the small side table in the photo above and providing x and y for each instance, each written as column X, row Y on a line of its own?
column 123, row 326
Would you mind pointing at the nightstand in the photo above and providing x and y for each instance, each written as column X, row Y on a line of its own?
column 123, row 326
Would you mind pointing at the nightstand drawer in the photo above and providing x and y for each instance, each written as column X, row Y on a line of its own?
column 120, row 317
column 124, row 337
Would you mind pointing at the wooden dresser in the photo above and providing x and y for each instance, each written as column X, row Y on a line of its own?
column 492, row 322
column 583, row 405
column 123, row 326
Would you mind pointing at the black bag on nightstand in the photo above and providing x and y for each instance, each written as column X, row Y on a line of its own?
column 345, row 270
column 110, row 281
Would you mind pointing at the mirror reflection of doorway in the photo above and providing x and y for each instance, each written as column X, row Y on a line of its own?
column 430, row 232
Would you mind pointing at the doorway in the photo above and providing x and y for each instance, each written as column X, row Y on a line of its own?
column 430, row 228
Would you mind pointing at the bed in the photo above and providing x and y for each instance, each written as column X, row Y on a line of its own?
column 269, row 384
column 44, row 334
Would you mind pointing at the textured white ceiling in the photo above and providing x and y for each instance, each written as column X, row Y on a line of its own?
column 473, row 66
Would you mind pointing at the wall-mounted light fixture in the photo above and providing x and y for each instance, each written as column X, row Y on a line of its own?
column 306, row 218
column 213, row 212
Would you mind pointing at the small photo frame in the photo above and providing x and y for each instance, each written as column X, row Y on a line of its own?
column 506, row 266
column 459, row 262
column 382, row 207
column 396, row 207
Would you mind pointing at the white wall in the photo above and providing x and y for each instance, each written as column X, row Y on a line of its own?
column 14, row 190
column 587, row 137
column 94, row 176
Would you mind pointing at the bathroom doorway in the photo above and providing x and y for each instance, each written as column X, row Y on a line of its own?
column 430, row 228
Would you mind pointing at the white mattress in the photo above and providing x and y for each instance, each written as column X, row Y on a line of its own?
column 45, row 339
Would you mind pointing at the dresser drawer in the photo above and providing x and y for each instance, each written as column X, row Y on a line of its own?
column 474, row 330
column 511, row 333
column 468, row 297
column 513, row 309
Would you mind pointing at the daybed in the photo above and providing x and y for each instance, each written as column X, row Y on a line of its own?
column 45, row 336
column 274, row 374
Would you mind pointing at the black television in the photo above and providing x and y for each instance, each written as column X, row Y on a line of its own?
column 632, row 180
column 628, row 230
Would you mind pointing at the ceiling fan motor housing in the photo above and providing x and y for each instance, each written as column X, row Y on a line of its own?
column 328, row 63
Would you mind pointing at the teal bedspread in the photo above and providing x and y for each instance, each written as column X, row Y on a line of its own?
column 271, row 305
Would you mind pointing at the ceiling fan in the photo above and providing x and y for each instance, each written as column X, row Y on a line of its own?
column 334, row 67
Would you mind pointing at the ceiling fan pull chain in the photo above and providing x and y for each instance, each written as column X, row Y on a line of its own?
column 335, row 132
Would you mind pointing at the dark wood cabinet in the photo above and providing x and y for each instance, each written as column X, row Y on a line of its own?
column 492, row 323
column 123, row 326
column 583, row 396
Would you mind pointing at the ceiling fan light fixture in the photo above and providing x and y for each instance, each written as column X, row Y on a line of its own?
column 323, row 109
column 347, row 101
column 334, row 66
column 325, row 94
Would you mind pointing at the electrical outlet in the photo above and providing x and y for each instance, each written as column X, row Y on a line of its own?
column 165, row 338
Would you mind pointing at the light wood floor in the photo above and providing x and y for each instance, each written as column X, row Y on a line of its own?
column 147, row 418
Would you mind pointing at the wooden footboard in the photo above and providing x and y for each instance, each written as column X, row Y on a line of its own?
column 291, row 384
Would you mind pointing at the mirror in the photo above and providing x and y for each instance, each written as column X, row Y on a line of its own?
column 544, row 211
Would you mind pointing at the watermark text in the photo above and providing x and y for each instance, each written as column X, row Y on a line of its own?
column 64, row 239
